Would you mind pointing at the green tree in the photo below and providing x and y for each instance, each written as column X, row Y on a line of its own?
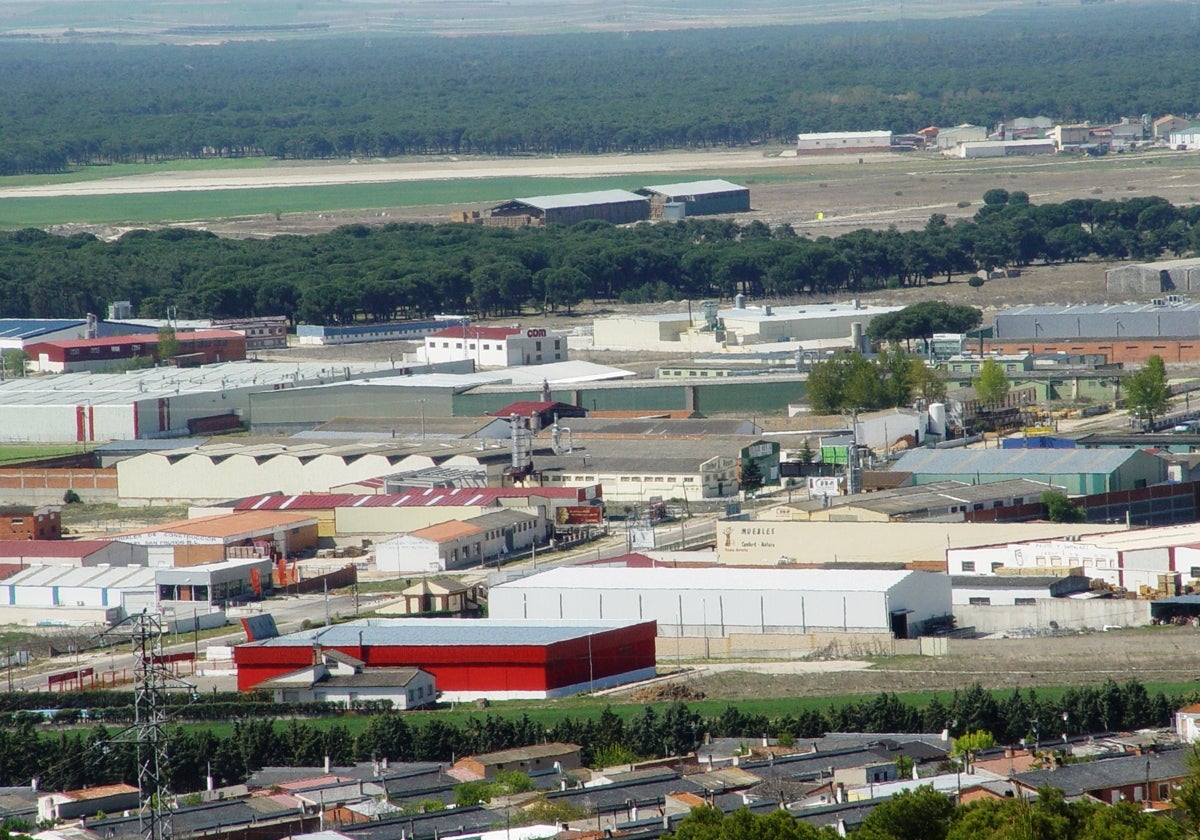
column 991, row 385
column 921, row 814
column 1146, row 392
column 168, row 344
column 1059, row 508
column 973, row 742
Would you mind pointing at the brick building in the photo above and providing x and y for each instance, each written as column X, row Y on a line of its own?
column 26, row 522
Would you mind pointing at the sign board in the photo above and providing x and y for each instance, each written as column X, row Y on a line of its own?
column 580, row 515
column 641, row 536
column 823, row 485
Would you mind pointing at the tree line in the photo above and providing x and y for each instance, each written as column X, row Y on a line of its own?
column 72, row 103
column 413, row 270
column 925, row 814
column 73, row 758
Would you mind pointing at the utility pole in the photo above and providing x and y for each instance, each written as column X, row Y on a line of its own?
column 152, row 683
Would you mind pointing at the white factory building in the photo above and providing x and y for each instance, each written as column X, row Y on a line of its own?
column 718, row 602
column 1129, row 559
column 496, row 347
column 152, row 403
column 64, row 596
column 706, row 328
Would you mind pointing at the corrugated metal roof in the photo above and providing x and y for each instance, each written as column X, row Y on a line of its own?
column 695, row 189
column 32, row 327
column 99, row 577
column 581, row 199
column 50, row 548
column 714, row 579
column 226, row 524
column 443, row 531
column 1015, row 461
column 444, row 632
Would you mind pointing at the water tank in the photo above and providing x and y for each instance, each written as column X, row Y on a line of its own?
column 937, row 419
column 739, row 301
column 856, row 336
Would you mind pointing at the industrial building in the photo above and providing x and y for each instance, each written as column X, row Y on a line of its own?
column 116, row 352
column 496, row 347
column 321, row 335
column 1080, row 471
column 455, row 544
column 76, row 553
column 616, row 206
column 1163, row 318
column 338, row 678
column 346, row 513
column 843, row 141
column 471, row 658
column 773, row 538
column 1003, row 148
column 696, row 198
column 213, row 539
column 1013, row 590
column 707, row 328
column 156, row 402
column 63, row 596
column 955, row 136
column 717, row 602
column 1129, row 559
column 215, row 584
column 30, row 522
column 19, row 333
column 1162, row 277
column 947, row 501
column 421, row 395
column 632, row 470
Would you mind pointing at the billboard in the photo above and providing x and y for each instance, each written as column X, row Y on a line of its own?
column 580, row 515
column 824, row 485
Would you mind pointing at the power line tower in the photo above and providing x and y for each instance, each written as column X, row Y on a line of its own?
column 153, row 681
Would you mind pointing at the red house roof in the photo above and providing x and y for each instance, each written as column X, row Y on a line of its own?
column 495, row 333
column 146, row 338
column 51, row 548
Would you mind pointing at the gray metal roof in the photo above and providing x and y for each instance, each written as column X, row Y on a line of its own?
column 1099, row 308
column 1078, row 779
column 923, row 497
column 582, row 199
column 501, row 519
column 694, row 189
column 1015, row 461
column 443, row 632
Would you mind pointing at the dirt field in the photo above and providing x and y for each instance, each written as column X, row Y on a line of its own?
column 1160, row 654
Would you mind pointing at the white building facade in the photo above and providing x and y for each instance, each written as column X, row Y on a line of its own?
column 492, row 347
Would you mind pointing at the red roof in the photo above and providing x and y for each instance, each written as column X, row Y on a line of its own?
column 439, row 497
column 143, row 338
column 497, row 333
column 51, row 548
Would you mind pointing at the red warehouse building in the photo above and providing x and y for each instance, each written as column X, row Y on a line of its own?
column 471, row 658
column 203, row 347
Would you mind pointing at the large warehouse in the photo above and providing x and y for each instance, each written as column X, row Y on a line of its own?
column 616, row 206
column 717, row 602
column 1080, row 471
column 472, row 658
column 696, row 198
column 1095, row 321
column 155, row 402
column 843, row 141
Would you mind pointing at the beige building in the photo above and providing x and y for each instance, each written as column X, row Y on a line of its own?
column 739, row 325
column 763, row 542
column 226, row 470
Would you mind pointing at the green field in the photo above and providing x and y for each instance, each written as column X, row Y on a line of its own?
column 547, row 713
column 146, row 208
column 16, row 453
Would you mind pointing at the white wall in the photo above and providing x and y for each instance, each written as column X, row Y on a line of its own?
column 405, row 554
column 700, row 613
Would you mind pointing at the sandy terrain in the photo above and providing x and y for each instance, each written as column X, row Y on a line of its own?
column 1161, row 654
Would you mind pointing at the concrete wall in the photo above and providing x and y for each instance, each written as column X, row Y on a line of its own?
column 34, row 486
column 1066, row 613
column 783, row 646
